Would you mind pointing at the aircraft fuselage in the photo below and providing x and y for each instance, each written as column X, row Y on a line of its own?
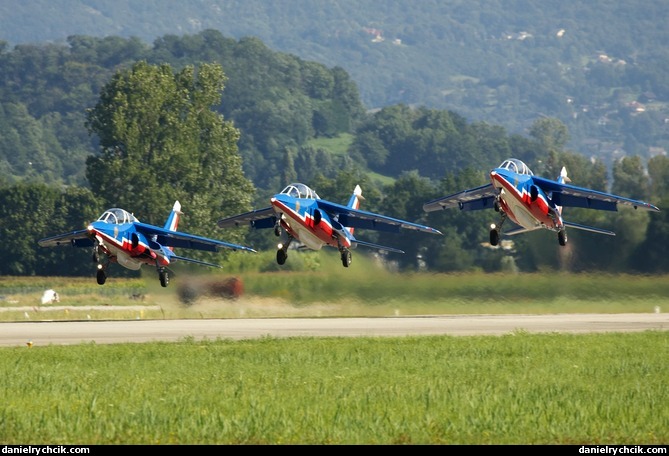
column 118, row 245
column 303, row 220
column 515, row 197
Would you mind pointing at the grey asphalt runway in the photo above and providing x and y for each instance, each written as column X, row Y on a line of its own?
column 110, row 332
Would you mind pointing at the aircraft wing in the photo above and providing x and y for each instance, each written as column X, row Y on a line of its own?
column 259, row 218
column 572, row 196
column 78, row 238
column 179, row 239
column 355, row 218
column 482, row 197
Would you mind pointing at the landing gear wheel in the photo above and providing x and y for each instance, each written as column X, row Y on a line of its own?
column 281, row 256
column 346, row 258
column 101, row 277
column 562, row 238
column 494, row 237
column 164, row 277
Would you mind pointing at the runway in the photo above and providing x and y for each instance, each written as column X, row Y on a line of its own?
column 141, row 331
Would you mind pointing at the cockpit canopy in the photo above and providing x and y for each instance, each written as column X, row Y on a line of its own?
column 300, row 191
column 117, row 216
column 516, row 166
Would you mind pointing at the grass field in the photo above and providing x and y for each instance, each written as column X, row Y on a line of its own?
column 516, row 389
column 513, row 389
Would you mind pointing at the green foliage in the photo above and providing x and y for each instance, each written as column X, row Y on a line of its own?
column 29, row 212
column 512, row 389
column 399, row 138
column 161, row 141
column 157, row 134
column 276, row 100
column 629, row 178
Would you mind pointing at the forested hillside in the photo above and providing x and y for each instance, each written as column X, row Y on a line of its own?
column 599, row 67
column 65, row 107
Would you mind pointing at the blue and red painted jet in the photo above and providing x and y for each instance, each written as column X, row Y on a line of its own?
column 299, row 213
column 118, row 237
column 532, row 202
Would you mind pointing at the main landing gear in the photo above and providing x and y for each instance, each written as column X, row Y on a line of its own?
column 562, row 237
column 164, row 276
column 345, row 256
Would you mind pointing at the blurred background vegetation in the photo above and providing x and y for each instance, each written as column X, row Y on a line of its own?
column 92, row 121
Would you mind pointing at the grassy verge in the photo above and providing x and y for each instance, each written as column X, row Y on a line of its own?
column 513, row 389
column 325, row 288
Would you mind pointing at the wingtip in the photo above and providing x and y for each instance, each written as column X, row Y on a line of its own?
column 246, row 249
column 650, row 207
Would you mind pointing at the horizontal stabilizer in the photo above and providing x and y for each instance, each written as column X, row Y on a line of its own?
column 519, row 230
column 473, row 199
column 259, row 218
column 589, row 228
column 377, row 246
column 192, row 260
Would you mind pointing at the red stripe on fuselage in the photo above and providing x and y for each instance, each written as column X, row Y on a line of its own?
column 125, row 247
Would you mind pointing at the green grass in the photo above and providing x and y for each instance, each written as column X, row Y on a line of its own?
column 337, row 146
column 513, row 389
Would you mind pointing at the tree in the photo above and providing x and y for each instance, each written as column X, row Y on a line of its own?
column 630, row 179
column 404, row 200
column 658, row 170
column 652, row 255
column 162, row 141
column 550, row 133
column 31, row 211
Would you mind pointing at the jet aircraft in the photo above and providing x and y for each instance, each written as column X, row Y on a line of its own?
column 117, row 236
column 298, row 214
column 532, row 202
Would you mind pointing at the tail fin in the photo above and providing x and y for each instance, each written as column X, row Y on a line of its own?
column 354, row 202
column 173, row 220
column 562, row 179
